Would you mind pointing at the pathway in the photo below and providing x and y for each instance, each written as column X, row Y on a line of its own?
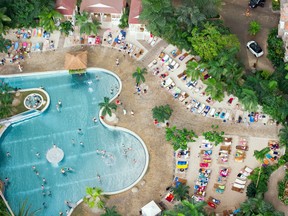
column 272, row 194
column 161, row 45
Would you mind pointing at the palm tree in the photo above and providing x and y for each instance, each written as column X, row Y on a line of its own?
column 94, row 198
column 107, row 107
column 4, row 44
column 187, row 208
column 24, row 210
column 3, row 18
column 193, row 70
column 257, row 206
column 162, row 113
column 214, row 89
column 66, row 27
column 260, row 155
column 110, row 212
column 87, row 27
column 249, row 99
column 181, row 192
column 48, row 19
column 139, row 75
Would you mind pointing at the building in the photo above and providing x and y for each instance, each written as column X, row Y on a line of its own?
column 135, row 25
column 283, row 26
column 66, row 7
column 108, row 12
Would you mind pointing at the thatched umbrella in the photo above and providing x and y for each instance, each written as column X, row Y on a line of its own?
column 76, row 62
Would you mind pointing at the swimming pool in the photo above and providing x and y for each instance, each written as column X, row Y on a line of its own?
column 118, row 156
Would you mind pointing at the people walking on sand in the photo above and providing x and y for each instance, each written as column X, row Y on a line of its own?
column 20, row 67
column 117, row 62
column 132, row 112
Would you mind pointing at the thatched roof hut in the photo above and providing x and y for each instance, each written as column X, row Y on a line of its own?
column 76, row 62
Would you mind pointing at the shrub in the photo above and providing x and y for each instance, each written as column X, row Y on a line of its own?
column 251, row 190
column 254, row 27
column 275, row 48
column 276, row 5
column 124, row 19
column 162, row 113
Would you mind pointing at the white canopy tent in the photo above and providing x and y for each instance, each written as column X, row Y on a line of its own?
column 151, row 209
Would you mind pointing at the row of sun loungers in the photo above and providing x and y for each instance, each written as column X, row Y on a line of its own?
column 225, row 150
column 221, row 180
column 204, row 172
column 241, row 180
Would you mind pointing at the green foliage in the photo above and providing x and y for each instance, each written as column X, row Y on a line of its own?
column 4, row 43
column 25, row 13
column 275, row 48
column 276, row 5
column 215, row 89
column 107, row 107
column 111, row 212
column 77, row 71
column 3, row 20
column 3, row 208
column 139, row 75
column 208, row 41
column 180, row 138
column 95, row 197
column 66, row 27
column 251, row 190
column 124, row 19
column 48, row 19
column 193, row 69
column 187, row 208
column 249, row 99
column 254, row 27
column 214, row 136
column 25, row 210
column 260, row 155
column 6, row 99
column 87, row 27
column 282, row 188
column 181, row 192
column 162, row 113
column 257, row 206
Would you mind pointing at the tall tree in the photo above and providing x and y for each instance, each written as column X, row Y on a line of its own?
column 48, row 19
column 162, row 113
column 180, row 138
column 107, row 107
column 86, row 26
column 4, row 44
column 110, row 212
column 3, row 20
column 187, row 208
column 181, row 192
column 249, row 99
column 139, row 75
column 95, row 197
column 158, row 15
column 257, row 206
column 215, row 89
column 194, row 69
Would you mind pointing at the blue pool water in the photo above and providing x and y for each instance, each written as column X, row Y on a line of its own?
column 122, row 165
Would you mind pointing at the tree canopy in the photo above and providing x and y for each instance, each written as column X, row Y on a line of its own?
column 162, row 113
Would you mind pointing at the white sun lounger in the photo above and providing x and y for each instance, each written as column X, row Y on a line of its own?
column 238, row 185
column 176, row 65
column 153, row 41
column 165, row 58
column 168, row 82
column 238, row 181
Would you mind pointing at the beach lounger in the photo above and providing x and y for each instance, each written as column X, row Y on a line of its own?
column 240, row 190
column 183, row 96
column 236, row 185
column 165, row 58
column 181, row 58
column 241, row 182
column 154, row 41
column 167, row 82
column 176, row 65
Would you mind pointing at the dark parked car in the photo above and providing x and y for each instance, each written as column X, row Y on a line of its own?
column 256, row 3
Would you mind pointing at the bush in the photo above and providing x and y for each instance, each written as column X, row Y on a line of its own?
column 251, row 190
column 275, row 48
column 124, row 19
column 281, row 189
column 162, row 113
column 276, row 5
column 254, row 27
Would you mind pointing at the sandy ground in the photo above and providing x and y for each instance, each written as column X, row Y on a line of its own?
column 160, row 170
